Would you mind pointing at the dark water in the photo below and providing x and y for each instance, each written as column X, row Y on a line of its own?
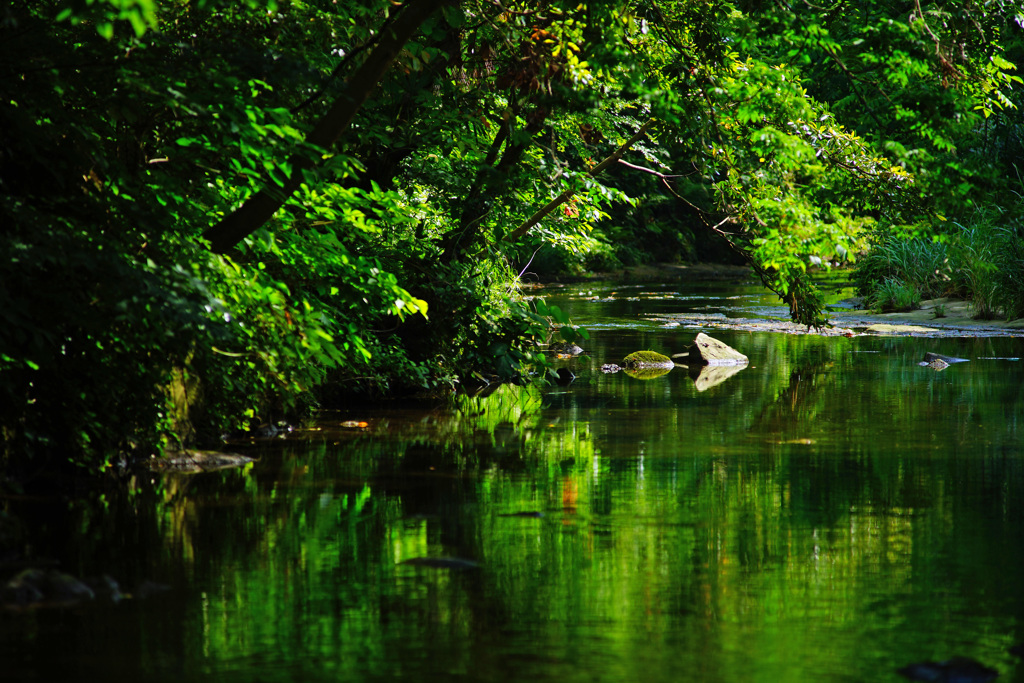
column 830, row 513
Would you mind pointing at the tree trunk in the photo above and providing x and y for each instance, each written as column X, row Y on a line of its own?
column 259, row 208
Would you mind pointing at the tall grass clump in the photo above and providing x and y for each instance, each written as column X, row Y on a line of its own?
column 1010, row 274
column 979, row 259
column 898, row 273
column 988, row 253
column 975, row 252
column 894, row 295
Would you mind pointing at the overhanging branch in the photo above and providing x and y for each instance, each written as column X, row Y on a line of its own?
column 537, row 217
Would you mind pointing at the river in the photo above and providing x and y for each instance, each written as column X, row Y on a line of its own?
column 831, row 512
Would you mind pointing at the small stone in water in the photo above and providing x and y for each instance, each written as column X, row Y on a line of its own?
column 956, row 670
column 443, row 563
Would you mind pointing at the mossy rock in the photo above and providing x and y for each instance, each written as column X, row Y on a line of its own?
column 647, row 359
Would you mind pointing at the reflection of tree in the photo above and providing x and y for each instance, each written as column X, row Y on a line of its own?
column 679, row 527
column 798, row 404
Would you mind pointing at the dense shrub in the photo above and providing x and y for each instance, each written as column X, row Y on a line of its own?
column 980, row 259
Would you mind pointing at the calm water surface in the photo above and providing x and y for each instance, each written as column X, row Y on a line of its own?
column 830, row 513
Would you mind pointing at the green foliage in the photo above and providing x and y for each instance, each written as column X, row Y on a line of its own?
column 893, row 295
column 923, row 265
column 140, row 15
column 497, row 130
column 108, row 294
column 979, row 260
column 988, row 253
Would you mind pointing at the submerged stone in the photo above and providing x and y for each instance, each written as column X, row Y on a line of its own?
column 886, row 328
column 564, row 376
column 956, row 670
column 38, row 586
column 189, row 462
column 949, row 360
column 443, row 563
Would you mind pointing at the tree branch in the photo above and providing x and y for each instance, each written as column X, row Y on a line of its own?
column 261, row 207
column 565, row 196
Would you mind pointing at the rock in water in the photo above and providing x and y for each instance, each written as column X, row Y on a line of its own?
column 708, row 351
column 566, row 349
column 50, row 587
column 956, row 670
column 190, row 461
column 457, row 563
column 930, row 357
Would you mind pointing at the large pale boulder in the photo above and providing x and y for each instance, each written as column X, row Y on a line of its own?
column 706, row 350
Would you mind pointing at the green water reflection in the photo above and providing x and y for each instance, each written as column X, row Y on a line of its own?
column 831, row 512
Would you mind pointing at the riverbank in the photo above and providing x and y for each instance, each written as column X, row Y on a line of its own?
column 942, row 314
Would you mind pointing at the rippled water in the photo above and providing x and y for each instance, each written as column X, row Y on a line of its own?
column 831, row 512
